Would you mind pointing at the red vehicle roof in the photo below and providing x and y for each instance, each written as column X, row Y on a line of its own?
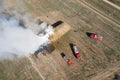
column 69, row 62
column 98, row 37
column 78, row 55
column 92, row 35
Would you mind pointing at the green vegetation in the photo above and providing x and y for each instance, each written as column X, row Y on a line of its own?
column 111, row 28
column 118, row 57
column 91, row 75
column 110, row 54
column 2, row 74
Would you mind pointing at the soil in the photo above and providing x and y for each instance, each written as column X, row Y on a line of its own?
column 99, row 59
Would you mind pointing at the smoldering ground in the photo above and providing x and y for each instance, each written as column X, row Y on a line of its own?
column 17, row 40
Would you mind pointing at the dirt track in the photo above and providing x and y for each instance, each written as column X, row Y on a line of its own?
column 98, row 12
column 35, row 67
column 114, row 5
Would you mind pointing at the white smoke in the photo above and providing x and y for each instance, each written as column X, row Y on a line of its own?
column 20, row 41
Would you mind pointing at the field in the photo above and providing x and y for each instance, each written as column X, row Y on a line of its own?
column 100, row 60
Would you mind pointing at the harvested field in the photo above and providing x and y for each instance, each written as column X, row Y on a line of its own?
column 100, row 60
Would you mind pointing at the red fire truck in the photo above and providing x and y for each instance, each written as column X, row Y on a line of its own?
column 95, row 36
column 76, row 52
column 69, row 62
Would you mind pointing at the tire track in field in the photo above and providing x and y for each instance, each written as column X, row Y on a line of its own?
column 73, row 10
column 98, row 12
column 35, row 67
column 109, row 34
column 112, row 4
column 87, row 5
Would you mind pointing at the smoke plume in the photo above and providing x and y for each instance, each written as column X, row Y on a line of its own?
column 17, row 40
